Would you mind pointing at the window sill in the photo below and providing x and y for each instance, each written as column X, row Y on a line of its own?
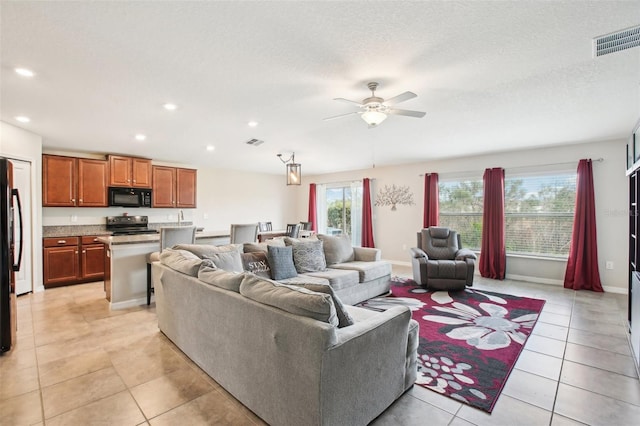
column 527, row 256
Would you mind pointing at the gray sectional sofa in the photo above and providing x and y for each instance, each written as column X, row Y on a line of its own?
column 293, row 354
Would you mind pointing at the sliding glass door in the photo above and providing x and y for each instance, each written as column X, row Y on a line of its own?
column 340, row 209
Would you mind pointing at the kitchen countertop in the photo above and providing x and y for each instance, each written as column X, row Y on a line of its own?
column 150, row 238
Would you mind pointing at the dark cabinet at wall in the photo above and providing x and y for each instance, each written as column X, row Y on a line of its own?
column 633, row 172
column 72, row 260
column 129, row 172
column 74, row 182
column 174, row 187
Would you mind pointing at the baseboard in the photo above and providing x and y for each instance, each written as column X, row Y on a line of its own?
column 128, row 304
column 38, row 289
column 399, row 263
column 536, row 280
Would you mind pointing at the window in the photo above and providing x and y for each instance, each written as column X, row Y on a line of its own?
column 340, row 209
column 539, row 213
column 460, row 209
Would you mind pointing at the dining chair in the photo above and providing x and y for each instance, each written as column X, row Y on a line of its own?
column 169, row 237
column 244, row 233
column 306, row 226
column 265, row 226
column 293, row 229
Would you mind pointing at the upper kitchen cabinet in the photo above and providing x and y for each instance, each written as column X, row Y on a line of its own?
column 130, row 172
column 174, row 187
column 74, row 182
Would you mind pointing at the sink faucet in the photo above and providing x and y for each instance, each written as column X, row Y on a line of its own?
column 180, row 217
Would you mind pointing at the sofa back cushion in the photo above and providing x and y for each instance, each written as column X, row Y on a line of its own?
column 337, row 248
column 220, row 278
column 293, row 299
column 256, row 263
column 202, row 250
column 281, row 262
column 226, row 260
column 262, row 247
column 181, row 260
column 344, row 319
column 308, row 256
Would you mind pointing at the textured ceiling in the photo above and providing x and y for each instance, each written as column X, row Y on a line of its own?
column 492, row 76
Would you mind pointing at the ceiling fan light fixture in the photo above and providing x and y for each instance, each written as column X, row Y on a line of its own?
column 373, row 118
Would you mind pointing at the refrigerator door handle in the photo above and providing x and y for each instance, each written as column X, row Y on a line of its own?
column 16, row 194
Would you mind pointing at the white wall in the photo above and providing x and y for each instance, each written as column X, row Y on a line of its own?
column 395, row 231
column 22, row 145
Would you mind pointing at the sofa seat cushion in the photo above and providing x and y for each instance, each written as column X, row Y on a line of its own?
column 367, row 270
column 447, row 269
column 293, row 299
column 338, row 278
column 304, row 278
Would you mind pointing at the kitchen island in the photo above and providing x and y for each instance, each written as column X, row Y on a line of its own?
column 126, row 264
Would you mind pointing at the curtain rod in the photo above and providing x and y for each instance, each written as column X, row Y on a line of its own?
column 599, row 160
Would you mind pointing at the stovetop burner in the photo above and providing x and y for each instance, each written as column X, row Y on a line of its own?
column 129, row 225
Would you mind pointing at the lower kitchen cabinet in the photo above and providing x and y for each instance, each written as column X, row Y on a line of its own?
column 72, row 260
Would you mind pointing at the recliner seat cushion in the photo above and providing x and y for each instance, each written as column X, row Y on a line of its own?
column 447, row 269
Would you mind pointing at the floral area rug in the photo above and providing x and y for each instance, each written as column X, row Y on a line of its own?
column 469, row 339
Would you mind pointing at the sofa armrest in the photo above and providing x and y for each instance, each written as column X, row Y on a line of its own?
column 367, row 254
column 417, row 253
column 464, row 254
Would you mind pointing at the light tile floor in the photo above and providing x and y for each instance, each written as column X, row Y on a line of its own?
column 76, row 362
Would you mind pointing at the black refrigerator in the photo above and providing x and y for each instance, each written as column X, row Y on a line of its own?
column 10, row 255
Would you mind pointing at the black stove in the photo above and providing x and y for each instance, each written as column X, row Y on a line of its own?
column 129, row 225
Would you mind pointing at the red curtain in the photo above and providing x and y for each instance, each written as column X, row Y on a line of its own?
column 493, row 257
column 430, row 217
column 367, row 223
column 582, row 266
column 313, row 214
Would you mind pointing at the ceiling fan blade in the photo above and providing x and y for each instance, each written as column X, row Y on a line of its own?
column 341, row 115
column 400, row 98
column 347, row 101
column 408, row 113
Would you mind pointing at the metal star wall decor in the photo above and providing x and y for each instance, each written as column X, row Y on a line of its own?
column 392, row 195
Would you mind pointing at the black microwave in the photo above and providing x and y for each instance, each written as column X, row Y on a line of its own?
column 129, row 197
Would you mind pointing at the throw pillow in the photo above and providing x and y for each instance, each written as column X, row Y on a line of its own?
column 344, row 319
column 281, row 262
column 228, row 280
column 256, row 263
column 308, row 256
column 202, row 250
column 295, row 300
column 227, row 261
column 337, row 248
column 181, row 261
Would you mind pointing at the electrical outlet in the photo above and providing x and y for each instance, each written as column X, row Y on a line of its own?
column 609, row 264
column 404, row 247
column 74, row 218
column 205, row 216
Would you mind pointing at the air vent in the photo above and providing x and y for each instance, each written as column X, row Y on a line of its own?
column 254, row 142
column 615, row 42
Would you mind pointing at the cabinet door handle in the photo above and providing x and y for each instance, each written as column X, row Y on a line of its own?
column 62, row 241
column 73, row 200
column 80, row 200
column 84, row 251
column 134, row 181
column 76, row 251
column 95, row 240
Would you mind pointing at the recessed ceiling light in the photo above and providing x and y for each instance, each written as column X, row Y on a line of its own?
column 211, row 148
column 170, row 107
column 23, row 119
column 25, row 72
column 252, row 123
column 140, row 137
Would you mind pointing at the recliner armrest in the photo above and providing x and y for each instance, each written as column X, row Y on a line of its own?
column 465, row 253
column 418, row 253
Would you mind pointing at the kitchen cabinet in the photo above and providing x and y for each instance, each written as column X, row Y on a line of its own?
column 72, row 260
column 130, row 172
column 174, row 187
column 74, row 182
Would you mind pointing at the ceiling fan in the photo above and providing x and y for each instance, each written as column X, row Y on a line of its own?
column 374, row 110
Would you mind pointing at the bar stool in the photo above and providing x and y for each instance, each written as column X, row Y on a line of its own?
column 169, row 237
